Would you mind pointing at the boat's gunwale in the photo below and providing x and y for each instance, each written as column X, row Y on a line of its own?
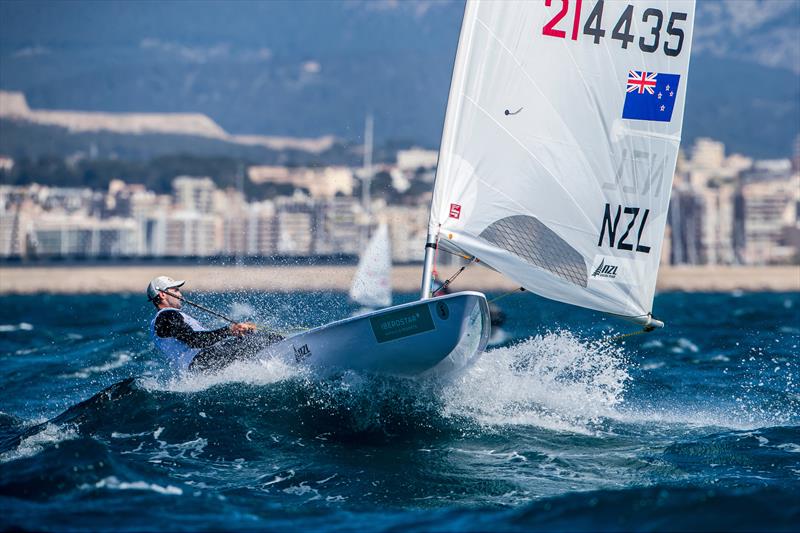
column 387, row 309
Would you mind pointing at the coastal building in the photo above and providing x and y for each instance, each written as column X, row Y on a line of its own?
column 684, row 217
column 262, row 229
column 339, row 230
column 725, row 209
column 17, row 214
column 666, row 246
column 76, row 235
column 718, row 201
column 328, row 182
column 192, row 234
column 194, row 194
column 230, row 207
column 296, row 221
column 324, row 182
column 408, row 226
column 64, row 199
column 6, row 164
column 707, row 155
column 771, row 219
column 272, row 174
column 704, row 221
column 234, row 234
column 415, row 158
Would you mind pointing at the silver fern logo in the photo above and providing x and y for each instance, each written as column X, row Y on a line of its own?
column 605, row 271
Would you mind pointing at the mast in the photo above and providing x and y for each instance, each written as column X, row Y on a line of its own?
column 366, row 200
column 238, row 259
column 468, row 20
column 427, row 267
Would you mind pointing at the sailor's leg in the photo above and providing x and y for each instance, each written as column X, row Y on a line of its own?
column 229, row 351
column 251, row 344
column 215, row 357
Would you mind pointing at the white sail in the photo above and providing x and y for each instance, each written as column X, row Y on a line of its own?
column 372, row 285
column 560, row 142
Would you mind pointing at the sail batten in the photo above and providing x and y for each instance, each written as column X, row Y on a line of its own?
column 558, row 147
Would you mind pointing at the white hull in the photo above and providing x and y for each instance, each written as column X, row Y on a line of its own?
column 428, row 337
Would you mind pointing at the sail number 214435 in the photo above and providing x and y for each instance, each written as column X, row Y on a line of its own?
column 653, row 18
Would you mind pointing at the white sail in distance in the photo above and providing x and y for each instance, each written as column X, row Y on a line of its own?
column 372, row 285
column 560, row 141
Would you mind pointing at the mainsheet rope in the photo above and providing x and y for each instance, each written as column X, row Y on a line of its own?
column 509, row 293
column 285, row 331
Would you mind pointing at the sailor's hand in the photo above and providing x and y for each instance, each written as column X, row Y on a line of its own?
column 242, row 328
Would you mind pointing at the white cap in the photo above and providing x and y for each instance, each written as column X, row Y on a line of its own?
column 162, row 283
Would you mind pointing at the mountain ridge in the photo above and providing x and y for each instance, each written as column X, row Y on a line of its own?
column 317, row 68
column 14, row 106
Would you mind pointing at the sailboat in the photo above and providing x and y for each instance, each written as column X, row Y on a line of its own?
column 372, row 284
column 559, row 146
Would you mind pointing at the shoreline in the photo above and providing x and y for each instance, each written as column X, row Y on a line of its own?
column 406, row 278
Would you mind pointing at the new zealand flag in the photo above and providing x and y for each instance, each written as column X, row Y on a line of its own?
column 650, row 95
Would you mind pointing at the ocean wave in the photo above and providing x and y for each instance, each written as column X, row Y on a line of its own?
column 112, row 483
column 556, row 381
column 48, row 434
column 736, row 453
column 22, row 326
column 119, row 360
column 671, row 507
column 258, row 372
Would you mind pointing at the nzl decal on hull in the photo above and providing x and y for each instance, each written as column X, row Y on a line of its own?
column 402, row 323
column 301, row 353
column 611, row 225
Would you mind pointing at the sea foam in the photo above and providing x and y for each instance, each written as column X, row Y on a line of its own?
column 50, row 435
column 556, row 381
column 256, row 372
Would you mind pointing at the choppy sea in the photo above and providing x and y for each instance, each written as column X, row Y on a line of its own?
column 695, row 427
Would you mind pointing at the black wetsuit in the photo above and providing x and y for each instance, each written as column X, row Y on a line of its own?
column 170, row 323
column 220, row 347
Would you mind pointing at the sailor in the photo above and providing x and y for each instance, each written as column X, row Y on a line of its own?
column 186, row 343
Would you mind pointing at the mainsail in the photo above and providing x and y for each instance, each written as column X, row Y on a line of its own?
column 372, row 286
column 560, row 142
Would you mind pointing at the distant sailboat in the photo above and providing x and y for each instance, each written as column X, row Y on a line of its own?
column 555, row 169
column 372, row 284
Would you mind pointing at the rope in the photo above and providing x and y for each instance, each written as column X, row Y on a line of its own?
column 284, row 331
column 520, row 289
column 645, row 329
column 449, row 280
column 624, row 335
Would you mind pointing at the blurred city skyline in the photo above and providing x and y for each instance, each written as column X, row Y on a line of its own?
column 236, row 129
column 725, row 209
